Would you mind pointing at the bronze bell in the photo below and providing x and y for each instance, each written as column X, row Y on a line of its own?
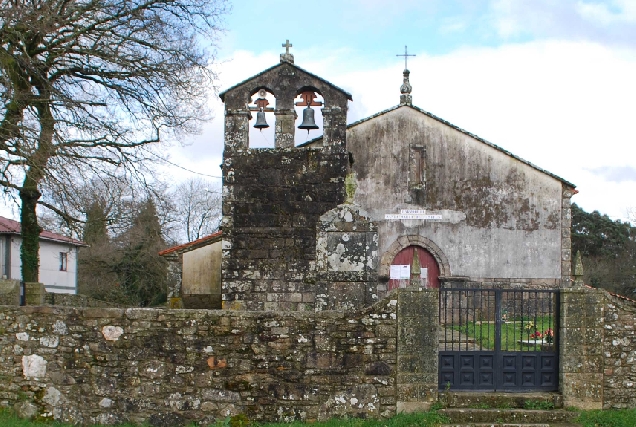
column 261, row 123
column 308, row 120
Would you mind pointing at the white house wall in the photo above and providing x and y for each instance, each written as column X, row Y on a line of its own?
column 54, row 280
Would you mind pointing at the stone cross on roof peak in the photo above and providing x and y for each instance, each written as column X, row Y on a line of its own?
column 287, row 57
column 405, row 55
column 405, row 89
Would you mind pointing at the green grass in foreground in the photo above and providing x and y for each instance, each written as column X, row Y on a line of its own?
column 608, row 418
column 427, row 419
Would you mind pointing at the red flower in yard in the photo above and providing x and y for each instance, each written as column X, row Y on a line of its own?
column 536, row 335
column 549, row 335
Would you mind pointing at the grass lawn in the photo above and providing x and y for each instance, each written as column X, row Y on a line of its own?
column 610, row 418
column 516, row 335
column 427, row 419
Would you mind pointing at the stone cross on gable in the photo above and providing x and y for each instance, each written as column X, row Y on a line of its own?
column 287, row 57
column 405, row 89
column 405, row 55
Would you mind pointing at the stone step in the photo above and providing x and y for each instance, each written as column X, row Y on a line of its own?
column 500, row 400
column 508, row 416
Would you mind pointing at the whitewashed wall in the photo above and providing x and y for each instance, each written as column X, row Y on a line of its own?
column 54, row 280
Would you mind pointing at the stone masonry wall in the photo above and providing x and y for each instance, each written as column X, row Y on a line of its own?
column 598, row 349
column 169, row 367
column 272, row 202
column 581, row 347
column 619, row 353
column 9, row 292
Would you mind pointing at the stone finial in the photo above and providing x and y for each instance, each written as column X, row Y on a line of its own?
column 405, row 90
column 287, row 57
column 578, row 271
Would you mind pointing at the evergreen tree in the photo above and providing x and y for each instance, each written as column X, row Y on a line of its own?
column 95, row 230
column 608, row 249
column 142, row 272
column 95, row 272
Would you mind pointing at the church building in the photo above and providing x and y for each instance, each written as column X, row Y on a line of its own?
column 401, row 198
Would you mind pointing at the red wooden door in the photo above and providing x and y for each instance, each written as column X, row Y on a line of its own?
column 422, row 269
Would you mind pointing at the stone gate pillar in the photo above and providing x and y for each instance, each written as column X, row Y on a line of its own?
column 417, row 348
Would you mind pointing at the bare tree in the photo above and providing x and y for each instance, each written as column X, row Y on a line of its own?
column 197, row 204
column 92, row 82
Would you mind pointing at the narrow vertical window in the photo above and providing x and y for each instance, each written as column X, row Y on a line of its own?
column 417, row 175
column 63, row 261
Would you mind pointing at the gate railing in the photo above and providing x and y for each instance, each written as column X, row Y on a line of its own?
column 481, row 319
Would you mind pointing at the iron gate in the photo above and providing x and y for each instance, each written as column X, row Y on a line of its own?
column 498, row 339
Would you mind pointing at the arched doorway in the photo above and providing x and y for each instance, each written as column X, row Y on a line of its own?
column 414, row 266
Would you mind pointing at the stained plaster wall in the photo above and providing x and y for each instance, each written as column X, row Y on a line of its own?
column 201, row 277
column 502, row 218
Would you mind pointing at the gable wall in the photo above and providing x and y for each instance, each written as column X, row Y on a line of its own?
column 502, row 218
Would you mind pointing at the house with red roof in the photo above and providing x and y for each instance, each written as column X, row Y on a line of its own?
column 58, row 257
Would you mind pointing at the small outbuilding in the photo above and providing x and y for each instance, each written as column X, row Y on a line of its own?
column 195, row 269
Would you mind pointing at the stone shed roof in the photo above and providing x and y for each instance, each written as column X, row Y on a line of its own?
column 490, row 144
column 222, row 94
column 9, row 226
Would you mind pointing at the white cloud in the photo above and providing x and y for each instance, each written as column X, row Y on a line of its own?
column 565, row 106
column 601, row 13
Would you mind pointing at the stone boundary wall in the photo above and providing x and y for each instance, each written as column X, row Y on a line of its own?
column 170, row 367
column 598, row 349
column 619, row 353
column 76, row 300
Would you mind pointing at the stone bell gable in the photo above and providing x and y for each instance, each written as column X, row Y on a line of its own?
column 273, row 198
column 285, row 81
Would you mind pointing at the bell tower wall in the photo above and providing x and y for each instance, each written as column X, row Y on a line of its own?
column 273, row 198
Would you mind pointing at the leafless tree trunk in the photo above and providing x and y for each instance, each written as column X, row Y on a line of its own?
column 91, row 82
column 197, row 205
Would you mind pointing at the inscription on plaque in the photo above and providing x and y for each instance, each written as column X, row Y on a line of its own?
column 413, row 214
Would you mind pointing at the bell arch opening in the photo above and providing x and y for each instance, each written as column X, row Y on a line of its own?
column 261, row 104
column 309, row 121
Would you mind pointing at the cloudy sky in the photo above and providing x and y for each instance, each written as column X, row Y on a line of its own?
column 552, row 81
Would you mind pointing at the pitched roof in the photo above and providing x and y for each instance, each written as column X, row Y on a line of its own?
column 195, row 244
column 9, row 226
column 472, row 135
column 222, row 94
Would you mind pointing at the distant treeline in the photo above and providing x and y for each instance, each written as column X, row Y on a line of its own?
column 608, row 249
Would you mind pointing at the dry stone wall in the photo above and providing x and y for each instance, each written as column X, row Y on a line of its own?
column 170, row 367
column 598, row 349
column 619, row 353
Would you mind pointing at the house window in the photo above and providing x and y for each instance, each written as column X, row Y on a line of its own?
column 63, row 261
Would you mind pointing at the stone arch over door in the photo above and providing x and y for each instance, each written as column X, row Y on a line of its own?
column 412, row 240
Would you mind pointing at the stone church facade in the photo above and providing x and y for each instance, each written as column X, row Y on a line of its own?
column 402, row 198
